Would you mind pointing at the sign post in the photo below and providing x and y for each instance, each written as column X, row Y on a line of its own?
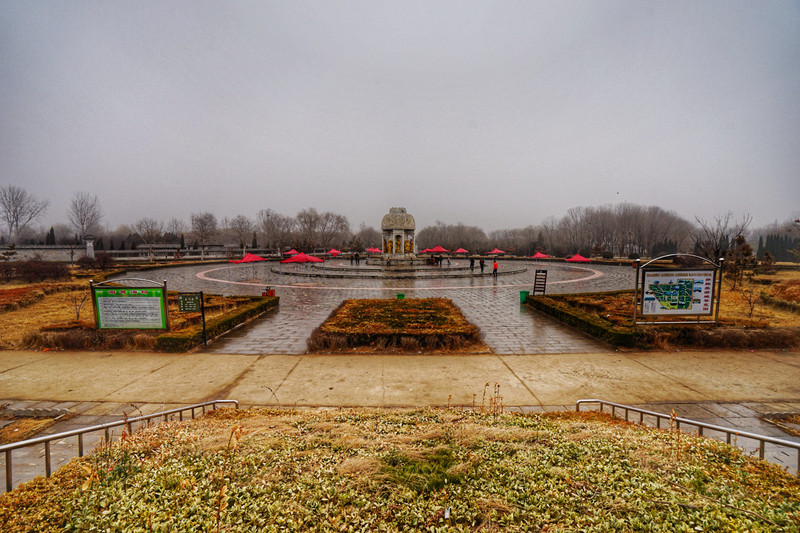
column 677, row 293
column 192, row 302
column 130, row 307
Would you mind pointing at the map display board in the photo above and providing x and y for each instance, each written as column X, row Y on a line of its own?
column 678, row 292
column 130, row 307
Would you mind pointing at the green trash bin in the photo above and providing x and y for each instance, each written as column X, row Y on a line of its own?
column 401, row 296
column 523, row 295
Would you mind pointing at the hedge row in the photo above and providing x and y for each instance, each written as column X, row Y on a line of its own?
column 193, row 336
column 587, row 322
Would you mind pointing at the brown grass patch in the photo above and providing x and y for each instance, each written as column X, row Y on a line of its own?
column 24, row 428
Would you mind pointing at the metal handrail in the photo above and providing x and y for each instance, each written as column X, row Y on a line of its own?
column 106, row 428
column 701, row 426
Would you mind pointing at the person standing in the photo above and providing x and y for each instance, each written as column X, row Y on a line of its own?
column 471, row 265
column 482, row 264
column 494, row 269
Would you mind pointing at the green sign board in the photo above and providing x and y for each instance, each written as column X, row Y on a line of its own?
column 189, row 302
column 130, row 307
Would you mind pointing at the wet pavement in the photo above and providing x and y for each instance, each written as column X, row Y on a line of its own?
column 307, row 300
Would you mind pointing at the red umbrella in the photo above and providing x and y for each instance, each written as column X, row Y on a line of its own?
column 539, row 255
column 438, row 249
column 303, row 258
column 578, row 258
column 248, row 258
column 496, row 251
column 461, row 251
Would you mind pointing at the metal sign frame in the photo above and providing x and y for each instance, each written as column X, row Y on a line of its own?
column 136, row 301
column 692, row 316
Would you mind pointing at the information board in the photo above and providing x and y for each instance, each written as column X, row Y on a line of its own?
column 130, row 307
column 189, row 302
column 678, row 292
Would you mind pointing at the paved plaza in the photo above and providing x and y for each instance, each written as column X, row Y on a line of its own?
column 492, row 305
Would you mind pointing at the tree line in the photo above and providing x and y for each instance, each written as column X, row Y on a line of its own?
column 620, row 230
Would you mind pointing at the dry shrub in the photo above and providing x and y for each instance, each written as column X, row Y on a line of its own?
column 144, row 342
column 408, row 343
column 89, row 339
column 722, row 337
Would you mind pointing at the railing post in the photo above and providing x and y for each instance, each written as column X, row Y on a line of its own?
column 80, row 444
column 47, row 458
column 761, row 446
column 107, row 435
column 9, row 471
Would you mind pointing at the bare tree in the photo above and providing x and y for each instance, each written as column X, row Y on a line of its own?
column 18, row 208
column 150, row 230
column 241, row 227
column 276, row 228
column 712, row 239
column 795, row 227
column 204, row 226
column 85, row 213
column 367, row 236
column 176, row 226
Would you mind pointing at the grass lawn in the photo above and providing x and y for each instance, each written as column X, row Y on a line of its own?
column 424, row 470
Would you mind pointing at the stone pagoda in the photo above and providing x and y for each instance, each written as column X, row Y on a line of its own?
column 398, row 235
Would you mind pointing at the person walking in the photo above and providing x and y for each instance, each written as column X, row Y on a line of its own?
column 482, row 264
column 494, row 269
column 471, row 265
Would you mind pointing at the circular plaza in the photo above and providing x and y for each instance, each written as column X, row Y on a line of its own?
column 308, row 295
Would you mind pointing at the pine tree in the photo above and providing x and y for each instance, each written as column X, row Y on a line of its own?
column 255, row 241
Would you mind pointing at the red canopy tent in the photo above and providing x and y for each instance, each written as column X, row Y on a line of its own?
column 303, row 258
column 578, row 258
column 373, row 250
column 461, row 251
column 539, row 255
column 334, row 252
column 438, row 249
column 291, row 252
column 248, row 258
column 425, row 251
column 496, row 251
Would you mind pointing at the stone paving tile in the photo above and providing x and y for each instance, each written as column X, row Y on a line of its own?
column 508, row 327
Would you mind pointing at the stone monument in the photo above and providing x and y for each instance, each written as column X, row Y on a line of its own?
column 398, row 234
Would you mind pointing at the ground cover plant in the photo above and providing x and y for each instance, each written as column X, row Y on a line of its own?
column 424, row 470
column 407, row 325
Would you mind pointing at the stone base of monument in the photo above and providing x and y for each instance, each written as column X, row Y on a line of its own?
column 395, row 260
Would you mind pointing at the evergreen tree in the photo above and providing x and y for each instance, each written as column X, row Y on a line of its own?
column 183, row 242
column 254, row 244
column 50, row 240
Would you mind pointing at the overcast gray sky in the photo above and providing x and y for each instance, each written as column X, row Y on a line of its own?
column 496, row 114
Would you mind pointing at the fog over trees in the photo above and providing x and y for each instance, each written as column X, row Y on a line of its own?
column 618, row 230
